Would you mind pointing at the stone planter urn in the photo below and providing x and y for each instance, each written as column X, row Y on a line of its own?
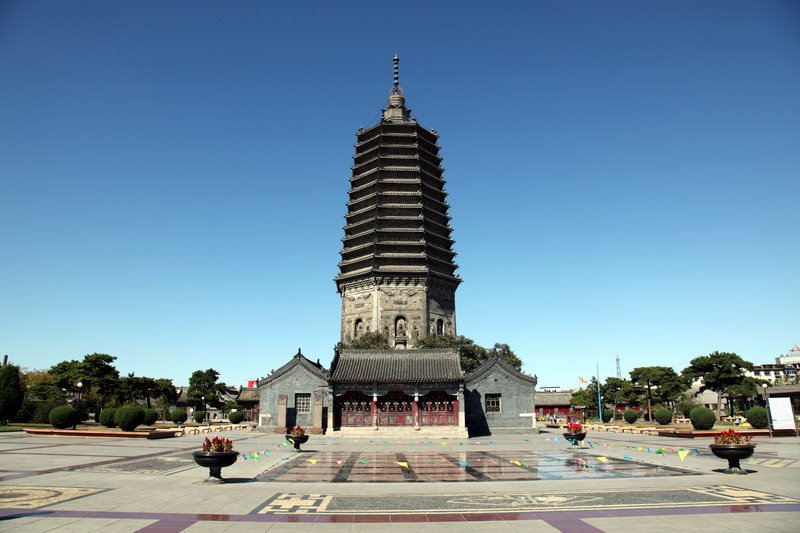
column 574, row 438
column 733, row 453
column 215, row 461
column 297, row 440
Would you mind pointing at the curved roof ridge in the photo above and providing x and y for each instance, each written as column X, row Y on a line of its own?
column 496, row 360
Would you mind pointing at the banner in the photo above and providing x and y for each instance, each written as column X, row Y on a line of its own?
column 780, row 410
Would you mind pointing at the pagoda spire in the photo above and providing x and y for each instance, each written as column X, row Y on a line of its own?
column 396, row 87
column 396, row 110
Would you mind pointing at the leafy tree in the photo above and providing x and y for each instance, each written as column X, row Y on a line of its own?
column 66, row 375
column 719, row 371
column 371, row 340
column 745, row 391
column 203, row 383
column 587, row 396
column 229, row 406
column 11, row 393
column 437, row 341
column 98, row 373
column 472, row 354
column 660, row 382
column 505, row 352
column 133, row 388
column 619, row 391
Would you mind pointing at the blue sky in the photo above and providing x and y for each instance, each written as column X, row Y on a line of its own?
column 623, row 176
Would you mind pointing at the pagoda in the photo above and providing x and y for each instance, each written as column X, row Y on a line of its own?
column 397, row 269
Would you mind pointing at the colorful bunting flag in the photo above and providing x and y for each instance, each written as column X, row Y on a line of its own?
column 682, row 453
column 602, row 459
column 404, row 464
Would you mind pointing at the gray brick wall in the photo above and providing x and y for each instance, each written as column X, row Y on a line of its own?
column 517, row 396
column 297, row 381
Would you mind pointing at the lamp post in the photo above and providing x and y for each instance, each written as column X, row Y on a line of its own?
column 764, row 387
column 77, row 405
column 203, row 399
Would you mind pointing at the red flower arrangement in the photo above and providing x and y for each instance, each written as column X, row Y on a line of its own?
column 732, row 437
column 217, row 445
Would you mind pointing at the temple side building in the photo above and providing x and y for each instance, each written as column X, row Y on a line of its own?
column 397, row 277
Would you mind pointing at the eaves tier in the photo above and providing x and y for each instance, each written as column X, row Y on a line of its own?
column 397, row 222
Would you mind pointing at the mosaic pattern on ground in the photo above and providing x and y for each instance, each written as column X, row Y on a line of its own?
column 516, row 502
column 383, row 467
column 164, row 465
column 37, row 497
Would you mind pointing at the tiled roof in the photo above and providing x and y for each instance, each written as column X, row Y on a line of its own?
column 502, row 363
column 298, row 360
column 544, row 398
column 397, row 366
column 248, row 395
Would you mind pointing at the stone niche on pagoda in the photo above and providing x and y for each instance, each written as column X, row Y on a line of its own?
column 397, row 269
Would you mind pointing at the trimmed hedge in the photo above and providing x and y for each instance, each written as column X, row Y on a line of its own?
column 757, row 416
column 702, row 418
column 63, row 417
column 630, row 416
column 236, row 417
column 178, row 416
column 199, row 416
column 608, row 414
column 150, row 417
column 128, row 417
column 107, row 417
column 663, row 416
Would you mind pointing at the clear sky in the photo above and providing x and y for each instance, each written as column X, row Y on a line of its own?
column 624, row 176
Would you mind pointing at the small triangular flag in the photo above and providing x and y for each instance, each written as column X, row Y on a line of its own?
column 602, row 459
column 404, row 464
column 312, row 461
column 682, row 454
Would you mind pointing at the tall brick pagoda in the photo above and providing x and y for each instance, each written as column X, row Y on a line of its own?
column 397, row 273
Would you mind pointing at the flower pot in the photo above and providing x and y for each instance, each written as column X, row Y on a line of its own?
column 297, row 441
column 215, row 461
column 574, row 438
column 733, row 453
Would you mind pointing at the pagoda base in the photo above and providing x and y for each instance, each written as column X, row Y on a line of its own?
column 428, row 432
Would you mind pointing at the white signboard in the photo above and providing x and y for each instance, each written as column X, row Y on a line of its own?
column 781, row 413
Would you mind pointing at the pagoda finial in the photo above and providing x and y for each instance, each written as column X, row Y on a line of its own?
column 396, row 86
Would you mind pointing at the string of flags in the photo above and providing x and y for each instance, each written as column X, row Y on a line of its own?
column 682, row 453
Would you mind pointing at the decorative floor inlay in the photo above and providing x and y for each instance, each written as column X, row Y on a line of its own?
column 384, row 467
column 514, row 501
column 36, row 497
column 164, row 465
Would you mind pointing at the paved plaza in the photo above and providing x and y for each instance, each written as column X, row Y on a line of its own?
column 616, row 482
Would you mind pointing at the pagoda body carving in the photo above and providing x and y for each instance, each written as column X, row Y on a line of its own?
column 397, row 269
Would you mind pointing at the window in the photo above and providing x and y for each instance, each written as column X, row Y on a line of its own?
column 493, row 403
column 302, row 403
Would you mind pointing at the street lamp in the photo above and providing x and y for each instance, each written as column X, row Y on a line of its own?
column 203, row 399
column 764, row 387
column 77, row 404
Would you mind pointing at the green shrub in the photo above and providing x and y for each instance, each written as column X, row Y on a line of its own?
column 663, row 416
column 608, row 414
column 617, row 415
column 686, row 405
column 199, row 416
column 128, row 417
column 178, row 416
column 236, row 417
column 11, row 393
column 107, row 417
column 630, row 416
column 150, row 417
column 757, row 416
column 62, row 417
column 702, row 418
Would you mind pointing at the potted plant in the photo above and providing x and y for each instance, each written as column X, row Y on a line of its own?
column 297, row 436
column 734, row 447
column 216, row 454
column 575, row 433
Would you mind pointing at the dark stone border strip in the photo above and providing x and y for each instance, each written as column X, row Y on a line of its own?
column 347, row 468
column 562, row 520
